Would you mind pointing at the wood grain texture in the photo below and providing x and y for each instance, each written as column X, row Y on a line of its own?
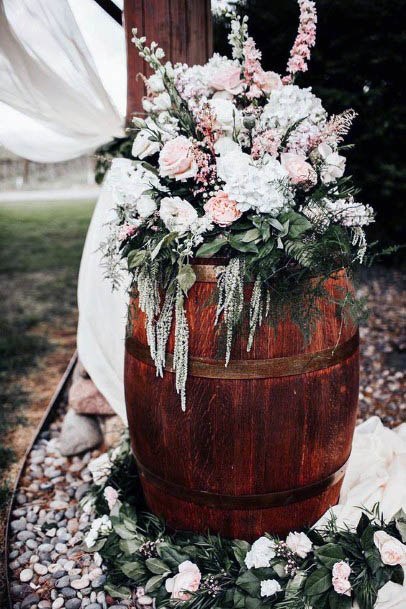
column 242, row 437
column 182, row 28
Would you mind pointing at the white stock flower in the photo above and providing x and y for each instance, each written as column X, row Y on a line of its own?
column 299, row 544
column 269, row 587
column 348, row 212
column 333, row 166
column 261, row 553
column 100, row 526
column 177, row 214
column 156, row 83
column 228, row 117
column 162, row 102
column 100, row 469
column 260, row 185
column 145, row 144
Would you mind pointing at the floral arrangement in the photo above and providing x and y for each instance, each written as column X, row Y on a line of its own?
column 238, row 162
column 324, row 568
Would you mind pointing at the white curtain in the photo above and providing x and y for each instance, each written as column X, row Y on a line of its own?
column 54, row 105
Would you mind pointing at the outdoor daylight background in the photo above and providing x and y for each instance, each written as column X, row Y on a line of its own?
column 45, row 209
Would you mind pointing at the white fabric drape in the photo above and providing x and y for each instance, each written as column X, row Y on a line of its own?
column 102, row 313
column 54, row 105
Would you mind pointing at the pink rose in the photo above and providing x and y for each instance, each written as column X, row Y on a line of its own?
column 227, row 79
column 186, row 581
column 342, row 586
column 221, row 209
column 298, row 169
column 111, row 496
column 268, row 81
column 176, row 159
column 392, row 551
column 341, row 570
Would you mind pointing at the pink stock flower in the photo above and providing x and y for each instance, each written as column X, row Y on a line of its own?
column 221, row 209
column 128, row 230
column 267, row 142
column 305, row 39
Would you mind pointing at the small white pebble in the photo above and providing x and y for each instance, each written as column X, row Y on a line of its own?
column 40, row 569
column 26, row 575
column 58, row 603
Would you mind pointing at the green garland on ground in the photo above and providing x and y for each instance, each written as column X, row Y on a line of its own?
column 140, row 552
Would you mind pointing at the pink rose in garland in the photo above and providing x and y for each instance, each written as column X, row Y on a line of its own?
column 221, row 209
column 299, row 170
column 341, row 573
column 185, row 582
column 227, row 79
column 176, row 159
column 392, row 551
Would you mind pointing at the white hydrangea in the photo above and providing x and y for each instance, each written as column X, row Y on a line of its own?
column 288, row 105
column 129, row 184
column 261, row 553
column 100, row 526
column 260, row 185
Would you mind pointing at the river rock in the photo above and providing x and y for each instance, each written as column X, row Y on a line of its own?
column 79, row 433
column 26, row 575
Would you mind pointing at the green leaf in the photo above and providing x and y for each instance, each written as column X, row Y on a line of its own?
column 156, row 566
column 165, row 241
column 238, row 599
column 339, row 601
column 240, row 246
column 253, row 603
column 250, row 235
column 240, row 549
column 117, row 591
column 318, row 582
column 136, row 258
column 186, row 278
column 129, row 546
column 154, row 583
column 298, row 224
column 329, row 554
column 123, row 532
column 294, row 585
column 400, row 521
column 171, row 556
column 398, row 575
column 249, row 583
column 134, row 570
column 363, row 523
column 276, row 224
column 211, row 247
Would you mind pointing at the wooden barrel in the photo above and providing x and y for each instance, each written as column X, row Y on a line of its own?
column 264, row 443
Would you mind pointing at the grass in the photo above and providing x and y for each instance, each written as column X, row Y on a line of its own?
column 40, row 250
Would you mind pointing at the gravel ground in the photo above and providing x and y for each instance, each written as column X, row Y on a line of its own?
column 48, row 568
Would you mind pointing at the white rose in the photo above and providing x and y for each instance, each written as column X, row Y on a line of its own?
column 299, row 544
column 177, row 214
column 270, row 587
column 333, row 166
column 392, row 551
column 224, row 145
column 143, row 145
column 228, row 117
column 156, row 83
column 391, row 596
column 261, row 553
column 185, row 582
column 145, row 206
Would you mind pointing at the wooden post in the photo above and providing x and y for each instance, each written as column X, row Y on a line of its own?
column 182, row 28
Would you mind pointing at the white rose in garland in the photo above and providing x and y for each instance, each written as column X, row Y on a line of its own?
column 269, row 587
column 146, row 206
column 186, row 581
column 299, row 544
column 176, row 159
column 392, row 551
column 228, row 117
column 177, row 214
column 261, row 553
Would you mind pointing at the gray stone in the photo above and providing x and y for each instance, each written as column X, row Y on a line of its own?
column 73, row 603
column 45, row 547
column 79, row 433
column 68, row 592
column 99, row 581
column 24, row 535
column 30, row 600
column 31, row 544
column 62, row 582
column 26, row 575
column 94, row 606
column 25, row 557
column 81, row 491
column 44, row 604
column 19, row 525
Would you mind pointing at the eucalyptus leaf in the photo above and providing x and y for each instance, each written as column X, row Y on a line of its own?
column 154, row 583
column 136, row 258
column 249, row 583
column 186, row 278
column 240, row 246
column 129, row 546
column 123, row 532
column 329, row 554
column 117, row 591
column 133, row 570
column 318, row 582
column 171, row 556
column 250, row 235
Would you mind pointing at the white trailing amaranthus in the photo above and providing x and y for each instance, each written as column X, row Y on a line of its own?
column 231, row 299
column 256, row 310
column 181, row 351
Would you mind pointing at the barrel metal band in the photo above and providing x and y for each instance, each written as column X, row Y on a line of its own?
column 253, row 368
column 242, row 502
